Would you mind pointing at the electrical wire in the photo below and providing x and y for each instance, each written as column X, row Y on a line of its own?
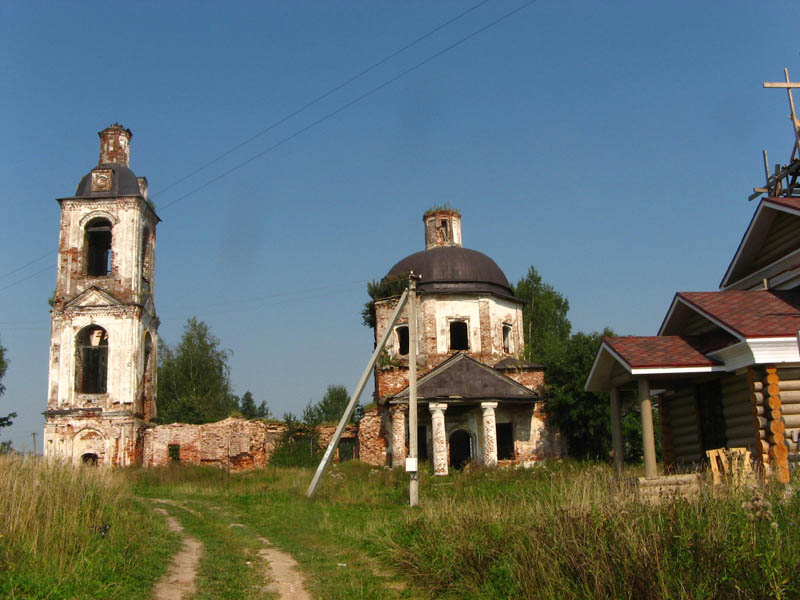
column 28, row 264
column 322, row 96
column 347, row 105
column 47, row 268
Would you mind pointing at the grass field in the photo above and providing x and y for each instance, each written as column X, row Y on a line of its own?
column 76, row 533
column 561, row 530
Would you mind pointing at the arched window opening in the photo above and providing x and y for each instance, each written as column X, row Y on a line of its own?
column 146, row 254
column 506, row 338
column 92, row 360
column 459, row 335
column 147, row 376
column 402, row 339
column 98, row 248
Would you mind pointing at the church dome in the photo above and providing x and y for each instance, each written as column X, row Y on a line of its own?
column 123, row 183
column 454, row 270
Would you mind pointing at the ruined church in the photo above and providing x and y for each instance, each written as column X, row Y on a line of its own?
column 478, row 400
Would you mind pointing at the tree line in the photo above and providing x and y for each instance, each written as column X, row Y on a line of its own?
column 194, row 384
column 582, row 417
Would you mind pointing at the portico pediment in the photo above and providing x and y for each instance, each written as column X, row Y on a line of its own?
column 463, row 378
column 92, row 297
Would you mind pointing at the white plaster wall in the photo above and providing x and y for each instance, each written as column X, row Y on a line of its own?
column 445, row 309
column 128, row 219
column 125, row 340
column 504, row 311
column 438, row 310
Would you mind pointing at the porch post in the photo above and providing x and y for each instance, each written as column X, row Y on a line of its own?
column 648, row 441
column 489, row 434
column 398, row 435
column 439, row 438
column 616, row 431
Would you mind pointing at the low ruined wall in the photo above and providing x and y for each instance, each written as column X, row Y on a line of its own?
column 237, row 444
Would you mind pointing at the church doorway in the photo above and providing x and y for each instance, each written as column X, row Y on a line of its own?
column 460, row 448
column 89, row 459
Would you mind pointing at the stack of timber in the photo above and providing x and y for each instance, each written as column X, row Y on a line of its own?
column 684, row 430
column 777, row 450
column 654, row 489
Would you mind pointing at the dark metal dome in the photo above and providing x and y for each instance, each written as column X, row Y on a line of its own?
column 123, row 183
column 454, row 270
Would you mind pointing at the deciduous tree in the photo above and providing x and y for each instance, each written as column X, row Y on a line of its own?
column 544, row 316
column 7, row 420
column 194, row 378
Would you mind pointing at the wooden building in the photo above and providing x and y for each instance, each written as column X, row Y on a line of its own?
column 724, row 367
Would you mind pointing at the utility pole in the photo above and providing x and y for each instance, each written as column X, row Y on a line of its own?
column 33, row 433
column 326, row 459
column 412, row 462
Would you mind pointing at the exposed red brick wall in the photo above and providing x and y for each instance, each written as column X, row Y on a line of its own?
column 372, row 436
column 530, row 378
column 233, row 443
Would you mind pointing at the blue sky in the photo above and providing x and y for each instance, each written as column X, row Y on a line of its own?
column 610, row 145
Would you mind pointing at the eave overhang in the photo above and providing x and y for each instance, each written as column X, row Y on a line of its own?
column 752, row 241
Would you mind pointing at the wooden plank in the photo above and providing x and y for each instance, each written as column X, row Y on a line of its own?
column 781, row 84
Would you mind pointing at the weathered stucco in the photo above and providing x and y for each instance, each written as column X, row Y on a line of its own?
column 104, row 426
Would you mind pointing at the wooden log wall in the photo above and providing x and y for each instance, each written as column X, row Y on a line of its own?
column 741, row 424
column 667, row 447
column 775, row 429
column 789, row 387
column 684, row 432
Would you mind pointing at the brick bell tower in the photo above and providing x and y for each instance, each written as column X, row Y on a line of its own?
column 104, row 339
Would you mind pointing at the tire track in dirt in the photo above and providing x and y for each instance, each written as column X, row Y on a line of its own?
column 283, row 570
column 179, row 580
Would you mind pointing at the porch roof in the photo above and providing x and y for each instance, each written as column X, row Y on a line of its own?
column 461, row 377
column 743, row 313
column 621, row 359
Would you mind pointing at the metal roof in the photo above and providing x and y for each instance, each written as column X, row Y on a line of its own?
column 455, row 270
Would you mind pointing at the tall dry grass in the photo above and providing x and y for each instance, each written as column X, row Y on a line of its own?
column 571, row 533
column 75, row 532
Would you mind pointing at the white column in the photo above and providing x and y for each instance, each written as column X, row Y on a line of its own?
column 616, row 431
column 439, row 438
column 489, row 434
column 398, row 435
column 648, row 440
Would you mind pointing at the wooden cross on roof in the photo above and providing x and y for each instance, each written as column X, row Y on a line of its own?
column 784, row 180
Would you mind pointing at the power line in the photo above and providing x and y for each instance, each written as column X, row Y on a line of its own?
column 323, row 96
column 348, row 104
column 34, row 274
column 294, row 113
column 28, row 264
